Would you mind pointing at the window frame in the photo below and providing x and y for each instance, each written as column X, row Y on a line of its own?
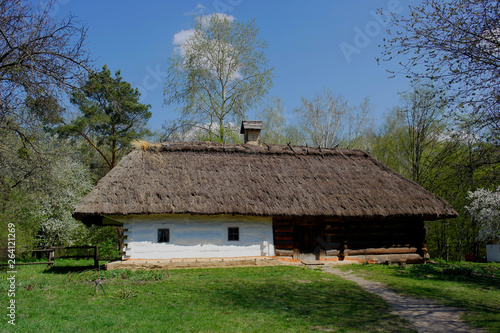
column 233, row 234
column 158, row 235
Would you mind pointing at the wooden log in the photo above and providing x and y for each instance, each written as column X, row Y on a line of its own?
column 282, row 223
column 335, row 245
column 390, row 258
column 29, row 263
column 75, row 257
column 283, row 253
column 284, row 246
column 332, row 253
column 376, row 244
column 283, row 237
column 287, row 230
column 380, row 235
column 332, row 220
column 334, row 227
column 375, row 251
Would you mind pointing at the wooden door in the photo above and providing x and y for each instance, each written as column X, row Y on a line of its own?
column 307, row 235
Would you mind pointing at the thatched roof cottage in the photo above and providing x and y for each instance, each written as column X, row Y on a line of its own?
column 210, row 200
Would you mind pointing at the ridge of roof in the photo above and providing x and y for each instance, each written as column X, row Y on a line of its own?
column 202, row 146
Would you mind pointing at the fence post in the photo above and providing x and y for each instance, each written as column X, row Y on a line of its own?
column 51, row 258
column 96, row 260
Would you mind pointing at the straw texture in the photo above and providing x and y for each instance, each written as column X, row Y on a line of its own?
column 271, row 180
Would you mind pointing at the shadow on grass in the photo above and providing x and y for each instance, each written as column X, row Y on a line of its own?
column 68, row 269
column 72, row 266
column 484, row 281
column 471, row 291
column 324, row 302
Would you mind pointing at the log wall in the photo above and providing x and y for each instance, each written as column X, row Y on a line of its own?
column 283, row 235
column 389, row 239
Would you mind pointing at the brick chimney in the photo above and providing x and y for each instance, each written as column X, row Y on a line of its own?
column 251, row 131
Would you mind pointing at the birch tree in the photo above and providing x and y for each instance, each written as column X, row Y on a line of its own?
column 276, row 128
column 218, row 73
column 322, row 118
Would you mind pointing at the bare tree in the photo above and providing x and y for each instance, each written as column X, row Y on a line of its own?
column 358, row 123
column 423, row 110
column 457, row 44
column 321, row 118
column 39, row 57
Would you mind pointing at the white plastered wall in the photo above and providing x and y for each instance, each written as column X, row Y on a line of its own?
column 196, row 236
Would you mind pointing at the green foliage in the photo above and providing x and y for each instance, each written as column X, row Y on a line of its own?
column 218, row 73
column 446, row 157
column 413, row 140
column 456, row 269
column 17, row 207
column 108, row 248
column 104, row 237
column 230, row 133
column 40, row 189
column 110, row 115
column 462, row 34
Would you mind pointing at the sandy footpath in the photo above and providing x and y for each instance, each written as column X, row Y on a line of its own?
column 426, row 315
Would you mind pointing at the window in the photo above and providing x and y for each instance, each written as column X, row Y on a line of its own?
column 233, row 234
column 163, row 235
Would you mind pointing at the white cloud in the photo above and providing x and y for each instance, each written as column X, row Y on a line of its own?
column 197, row 11
column 181, row 37
column 206, row 18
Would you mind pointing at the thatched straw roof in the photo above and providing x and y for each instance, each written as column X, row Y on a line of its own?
column 275, row 180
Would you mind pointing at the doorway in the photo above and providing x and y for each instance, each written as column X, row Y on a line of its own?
column 307, row 243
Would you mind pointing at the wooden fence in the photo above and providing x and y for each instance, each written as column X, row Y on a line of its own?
column 54, row 255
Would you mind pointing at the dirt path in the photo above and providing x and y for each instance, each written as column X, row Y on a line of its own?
column 424, row 314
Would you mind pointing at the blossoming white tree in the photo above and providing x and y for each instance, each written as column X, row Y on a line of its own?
column 485, row 210
column 218, row 72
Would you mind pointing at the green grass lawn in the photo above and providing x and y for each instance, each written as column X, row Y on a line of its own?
column 252, row 299
column 474, row 288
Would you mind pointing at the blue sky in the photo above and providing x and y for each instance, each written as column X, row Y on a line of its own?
column 312, row 45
